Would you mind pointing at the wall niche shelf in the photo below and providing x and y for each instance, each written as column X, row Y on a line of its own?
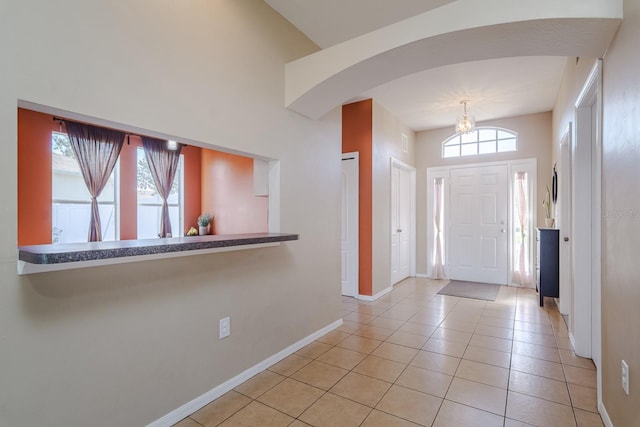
column 44, row 258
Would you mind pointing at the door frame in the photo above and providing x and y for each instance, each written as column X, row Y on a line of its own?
column 564, row 215
column 412, row 209
column 585, row 320
column 585, row 326
column 529, row 165
column 355, row 287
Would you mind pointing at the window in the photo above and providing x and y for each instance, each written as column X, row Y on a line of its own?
column 71, row 201
column 438, row 261
column 483, row 140
column 71, row 204
column 150, row 202
column 521, row 228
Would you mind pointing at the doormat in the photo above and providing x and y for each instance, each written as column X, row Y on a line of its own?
column 474, row 290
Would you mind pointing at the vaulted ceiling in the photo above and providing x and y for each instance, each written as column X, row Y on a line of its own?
column 420, row 58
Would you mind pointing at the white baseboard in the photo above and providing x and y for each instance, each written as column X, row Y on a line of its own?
column 376, row 296
column 190, row 407
column 422, row 276
column 603, row 413
column 572, row 340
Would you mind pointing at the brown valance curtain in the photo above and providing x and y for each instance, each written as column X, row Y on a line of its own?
column 163, row 164
column 96, row 150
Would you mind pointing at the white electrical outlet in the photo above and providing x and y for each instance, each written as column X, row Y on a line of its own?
column 225, row 327
column 625, row 377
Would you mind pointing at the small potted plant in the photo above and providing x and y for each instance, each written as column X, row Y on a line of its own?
column 204, row 224
column 546, row 203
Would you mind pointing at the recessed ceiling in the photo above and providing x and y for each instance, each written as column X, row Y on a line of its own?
column 497, row 88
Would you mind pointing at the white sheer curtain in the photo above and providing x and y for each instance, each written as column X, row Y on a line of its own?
column 437, row 270
column 521, row 269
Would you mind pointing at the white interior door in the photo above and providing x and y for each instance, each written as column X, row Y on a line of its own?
column 478, row 238
column 401, row 228
column 350, row 224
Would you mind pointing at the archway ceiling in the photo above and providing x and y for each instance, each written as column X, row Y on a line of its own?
column 419, row 58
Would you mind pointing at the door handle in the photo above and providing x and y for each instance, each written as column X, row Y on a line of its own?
column 399, row 230
column 566, row 239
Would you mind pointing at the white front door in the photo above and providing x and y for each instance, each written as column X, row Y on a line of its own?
column 400, row 223
column 478, row 242
column 350, row 224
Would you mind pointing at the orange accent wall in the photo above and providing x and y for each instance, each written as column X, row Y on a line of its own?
column 357, row 135
column 34, row 177
column 128, row 192
column 227, row 194
column 192, row 185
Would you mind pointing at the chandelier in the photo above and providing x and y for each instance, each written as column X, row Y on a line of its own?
column 466, row 123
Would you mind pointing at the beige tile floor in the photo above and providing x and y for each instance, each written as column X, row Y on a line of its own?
column 415, row 358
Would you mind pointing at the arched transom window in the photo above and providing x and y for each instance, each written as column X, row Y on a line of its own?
column 484, row 140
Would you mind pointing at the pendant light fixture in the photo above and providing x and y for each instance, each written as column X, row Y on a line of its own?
column 466, row 123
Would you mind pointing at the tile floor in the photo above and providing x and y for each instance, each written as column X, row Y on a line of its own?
column 415, row 358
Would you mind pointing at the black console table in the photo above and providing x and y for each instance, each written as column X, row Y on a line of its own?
column 548, row 263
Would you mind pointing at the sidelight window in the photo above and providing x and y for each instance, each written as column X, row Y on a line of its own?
column 438, row 261
column 521, row 226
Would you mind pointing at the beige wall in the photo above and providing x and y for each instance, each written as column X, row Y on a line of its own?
column 124, row 345
column 534, row 141
column 387, row 130
column 620, row 207
column 575, row 74
column 621, row 222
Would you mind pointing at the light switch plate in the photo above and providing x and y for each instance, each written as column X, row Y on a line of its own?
column 225, row 327
column 625, row 377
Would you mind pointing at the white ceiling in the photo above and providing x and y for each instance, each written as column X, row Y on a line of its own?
column 431, row 99
column 496, row 88
column 329, row 22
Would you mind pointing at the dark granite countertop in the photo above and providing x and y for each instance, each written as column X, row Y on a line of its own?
column 77, row 252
